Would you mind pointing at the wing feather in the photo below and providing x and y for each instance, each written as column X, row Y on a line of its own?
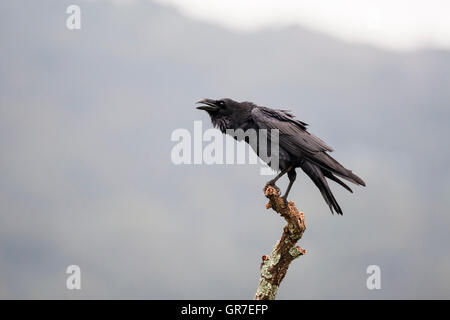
column 294, row 138
column 292, row 133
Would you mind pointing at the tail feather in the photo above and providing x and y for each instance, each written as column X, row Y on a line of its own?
column 325, row 161
column 329, row 175
column 317, row 176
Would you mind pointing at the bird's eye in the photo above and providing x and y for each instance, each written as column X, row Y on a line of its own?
column 221, row 103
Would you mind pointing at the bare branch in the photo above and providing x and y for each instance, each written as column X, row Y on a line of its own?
column 274, row 266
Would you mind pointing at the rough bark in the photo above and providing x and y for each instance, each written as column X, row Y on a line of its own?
column 274, row 266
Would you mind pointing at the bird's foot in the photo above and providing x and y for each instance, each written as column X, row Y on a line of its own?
column 270, row 183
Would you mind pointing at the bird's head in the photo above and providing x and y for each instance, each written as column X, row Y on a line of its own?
column 226, row 113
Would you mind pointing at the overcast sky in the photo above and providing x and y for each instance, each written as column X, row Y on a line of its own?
column 398, row 24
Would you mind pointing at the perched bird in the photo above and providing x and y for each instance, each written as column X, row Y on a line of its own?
column 297, row 147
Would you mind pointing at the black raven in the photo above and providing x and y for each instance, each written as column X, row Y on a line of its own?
column 297, row 147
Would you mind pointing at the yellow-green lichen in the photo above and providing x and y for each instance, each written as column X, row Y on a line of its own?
column 295, row 252
column 276, row 258
column 291, row 228
column 293, row 232
column 271, row 261
column 265, row 269
column 267, row 289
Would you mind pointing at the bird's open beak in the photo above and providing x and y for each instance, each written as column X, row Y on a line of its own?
column 209, row 105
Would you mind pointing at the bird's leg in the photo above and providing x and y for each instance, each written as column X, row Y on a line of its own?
column 282, row 173
column 292, row 175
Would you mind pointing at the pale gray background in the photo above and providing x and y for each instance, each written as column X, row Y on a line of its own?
column 86, row 176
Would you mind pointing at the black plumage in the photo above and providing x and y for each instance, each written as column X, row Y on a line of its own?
column 297, row 147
